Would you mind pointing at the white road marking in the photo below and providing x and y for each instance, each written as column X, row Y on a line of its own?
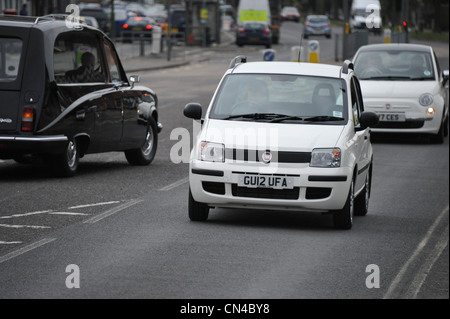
column 174, row 185
column 25, row 249
column 414, row 256
column 112, row 211
column 24, row 226
column 26, row 214
column 10, row 242
column 68, row 213
column 95, row 204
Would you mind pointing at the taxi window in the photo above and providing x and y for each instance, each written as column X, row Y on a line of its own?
column 10, row 52
column 76, row 59
column 112, row 65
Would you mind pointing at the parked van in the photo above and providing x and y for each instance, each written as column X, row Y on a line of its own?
column 253, row 10
column 366, row 15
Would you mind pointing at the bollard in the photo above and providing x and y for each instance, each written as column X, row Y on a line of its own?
column 387, row 36
column 314, row 51
column 156, row 40
column 296, row 54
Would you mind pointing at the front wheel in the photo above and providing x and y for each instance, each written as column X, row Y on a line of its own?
column 362, row 200
column 343, row 219
column 198, row 212
column 146, row 153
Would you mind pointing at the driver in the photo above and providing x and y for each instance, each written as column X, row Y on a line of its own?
column 86, row 72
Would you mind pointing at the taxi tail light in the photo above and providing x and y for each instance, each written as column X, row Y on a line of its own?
column 27, row 119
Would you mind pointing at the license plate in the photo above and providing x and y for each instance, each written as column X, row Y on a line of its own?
column 318, row 31
column 254, row 39
column 392, row 117
column 137, row 29
column 266, row 181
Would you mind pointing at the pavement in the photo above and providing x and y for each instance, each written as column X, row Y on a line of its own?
column 179, row 55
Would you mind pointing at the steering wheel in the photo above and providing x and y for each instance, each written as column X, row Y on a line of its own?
column 245, row 107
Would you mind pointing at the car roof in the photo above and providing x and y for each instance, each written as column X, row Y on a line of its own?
column 289, row 68
column 396, row 46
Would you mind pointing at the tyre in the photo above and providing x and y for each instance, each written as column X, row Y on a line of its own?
column 197, row 211
column 362, row 200
column 439, row 137
column 66, row 164
column 146, row 153
column 343, row 219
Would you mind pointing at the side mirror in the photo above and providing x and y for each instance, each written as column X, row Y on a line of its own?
column 445, row 76
column 368, row 119
column 193, row 111
column 134, row 79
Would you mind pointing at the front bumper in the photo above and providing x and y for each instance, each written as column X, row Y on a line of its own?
column 13, row 145
column 314, row 189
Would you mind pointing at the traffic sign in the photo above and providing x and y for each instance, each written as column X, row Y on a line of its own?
column 269, row 55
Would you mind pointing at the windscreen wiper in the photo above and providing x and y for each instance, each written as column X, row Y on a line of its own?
column 323, row 118
column 255, row 116
column 286, row 118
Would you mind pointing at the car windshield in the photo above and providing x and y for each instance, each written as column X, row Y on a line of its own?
column 318, row 20
column 394, row 65
column 280, row 98
column 10, row 51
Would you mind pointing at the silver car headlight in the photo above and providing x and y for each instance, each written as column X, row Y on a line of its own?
column 326, row 157
column 426, row 99
column 212, row 152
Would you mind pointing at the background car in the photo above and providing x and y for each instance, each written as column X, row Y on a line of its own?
column 283, row 136
column 317, row 25
column 100, row 15
column 405, row 85
column 290, row 14
column 254, row 32
column 69, row 96
column 138, row 28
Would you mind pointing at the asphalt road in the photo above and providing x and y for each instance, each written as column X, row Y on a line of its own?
column 125, row 230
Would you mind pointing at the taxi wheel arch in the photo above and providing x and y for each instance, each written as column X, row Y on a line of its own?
column 197, row 211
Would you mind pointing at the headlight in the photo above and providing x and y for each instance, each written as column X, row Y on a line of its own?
column 212, row 152
column 426, row 99
column 326, row 157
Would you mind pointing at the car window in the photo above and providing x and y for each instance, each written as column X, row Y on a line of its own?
column 394, row 65
column 292, row 95
column 111, row 61
column 76, row 59
column 10, row 52
column 357, row 100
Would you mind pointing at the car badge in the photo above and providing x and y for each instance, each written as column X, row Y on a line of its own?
column 266, row 157
column 388, row 106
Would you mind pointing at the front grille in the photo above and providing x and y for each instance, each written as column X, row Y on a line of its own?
column 400, row 125
column 214, row 188
column 269, row 193
column 277, row 157
column 317, row 192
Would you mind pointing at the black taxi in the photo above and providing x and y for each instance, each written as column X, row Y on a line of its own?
column 64, row 94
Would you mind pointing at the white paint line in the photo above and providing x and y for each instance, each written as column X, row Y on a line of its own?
column 25, row 249
column 112, row 211
column 69, row 214
column 174, row 185
column 24, row 226
column 421, row 276
column 414, row 256
column 26, row 214
column 92, row 205
column 10, row 242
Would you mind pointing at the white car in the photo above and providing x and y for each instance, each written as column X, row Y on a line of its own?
column 283, row 136
column 405, row 86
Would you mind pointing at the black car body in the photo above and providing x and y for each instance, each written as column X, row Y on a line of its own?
column 138, row 28
column 52, row 107
column 254, row 32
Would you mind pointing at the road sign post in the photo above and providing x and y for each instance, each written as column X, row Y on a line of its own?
column 314, row 51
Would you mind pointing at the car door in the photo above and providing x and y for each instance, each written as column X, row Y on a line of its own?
column 362, row 136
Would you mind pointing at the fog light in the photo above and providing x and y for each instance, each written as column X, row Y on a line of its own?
column 430, row 111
